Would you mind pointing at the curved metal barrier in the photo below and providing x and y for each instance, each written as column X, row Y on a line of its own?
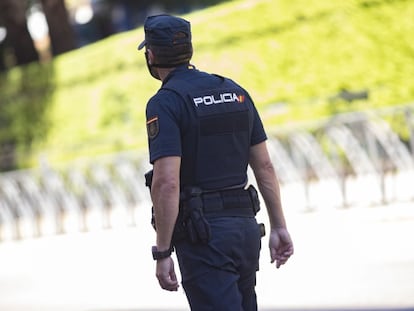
column 348, row 160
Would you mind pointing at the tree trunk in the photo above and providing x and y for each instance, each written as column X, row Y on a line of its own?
column 13, row 14
column 60, row 31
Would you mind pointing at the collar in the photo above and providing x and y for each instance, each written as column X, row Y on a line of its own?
column 178, row 70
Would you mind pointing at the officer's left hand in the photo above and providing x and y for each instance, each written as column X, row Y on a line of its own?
column 166, row 275
column 281, row 246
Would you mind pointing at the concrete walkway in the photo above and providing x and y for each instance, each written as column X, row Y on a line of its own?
column 345, row 259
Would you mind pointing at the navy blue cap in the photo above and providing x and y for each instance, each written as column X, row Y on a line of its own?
column 161, row 30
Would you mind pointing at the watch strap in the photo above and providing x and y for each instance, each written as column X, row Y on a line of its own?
column 161, row 255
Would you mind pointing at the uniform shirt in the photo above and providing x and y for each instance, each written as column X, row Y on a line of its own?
column 172, row 131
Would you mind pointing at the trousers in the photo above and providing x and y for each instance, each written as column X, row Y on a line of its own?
column 221, row 275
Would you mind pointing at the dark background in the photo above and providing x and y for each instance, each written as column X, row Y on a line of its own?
column 66, row 30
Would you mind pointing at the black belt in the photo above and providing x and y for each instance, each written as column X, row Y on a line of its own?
column 233, row 202
column 196, row 205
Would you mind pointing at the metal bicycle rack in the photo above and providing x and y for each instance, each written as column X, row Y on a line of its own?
column 347, row 160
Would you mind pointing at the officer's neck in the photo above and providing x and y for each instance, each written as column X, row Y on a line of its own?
column 164, row 72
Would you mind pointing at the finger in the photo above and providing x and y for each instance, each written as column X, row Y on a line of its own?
column 280, row 262
column 173, row 279
column 289, row 251
column 173, row 276
column 285, row 256
column 282, row 259
column 167, row 281
column 273, row 255
column 172, row 284
column 168, row 284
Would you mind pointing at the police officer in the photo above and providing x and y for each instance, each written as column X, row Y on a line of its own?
column 203, row 132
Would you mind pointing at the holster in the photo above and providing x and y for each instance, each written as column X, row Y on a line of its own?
column 191, row 222
column 255, row 198
column 194, row 222
column 148, row 182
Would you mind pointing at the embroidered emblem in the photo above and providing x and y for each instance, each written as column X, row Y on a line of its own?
column 153, row 127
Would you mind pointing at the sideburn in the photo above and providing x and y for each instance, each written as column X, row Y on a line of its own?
column 151, row 70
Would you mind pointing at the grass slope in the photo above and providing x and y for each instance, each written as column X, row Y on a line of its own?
column 297, row 52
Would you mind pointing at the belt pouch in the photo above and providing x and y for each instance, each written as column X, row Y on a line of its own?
column 198, row 227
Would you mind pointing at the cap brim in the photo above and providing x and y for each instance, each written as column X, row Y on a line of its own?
column 143, row 43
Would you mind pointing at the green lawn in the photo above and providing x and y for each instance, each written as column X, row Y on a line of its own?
column 300, row 53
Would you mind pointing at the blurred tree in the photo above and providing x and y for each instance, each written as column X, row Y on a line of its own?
column 60, row 30
column 13, row 14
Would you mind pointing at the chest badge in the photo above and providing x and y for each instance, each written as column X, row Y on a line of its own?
column 153, row 127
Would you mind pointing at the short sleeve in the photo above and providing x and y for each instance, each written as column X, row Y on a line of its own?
column 163, row 130
column 258, row 132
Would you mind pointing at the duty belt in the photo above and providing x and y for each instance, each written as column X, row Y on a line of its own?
column 197, row 206
column 233, row 202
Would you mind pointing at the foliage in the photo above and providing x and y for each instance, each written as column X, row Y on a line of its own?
column 24, row 100
column 299, row 53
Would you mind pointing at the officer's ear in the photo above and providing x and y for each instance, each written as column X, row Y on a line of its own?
column 150, row 57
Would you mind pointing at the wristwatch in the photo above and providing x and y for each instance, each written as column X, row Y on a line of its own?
column 160, row 255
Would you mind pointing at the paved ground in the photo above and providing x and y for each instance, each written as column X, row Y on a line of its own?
column 345, row 259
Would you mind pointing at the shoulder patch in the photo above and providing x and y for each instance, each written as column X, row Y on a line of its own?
column 153, row 127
